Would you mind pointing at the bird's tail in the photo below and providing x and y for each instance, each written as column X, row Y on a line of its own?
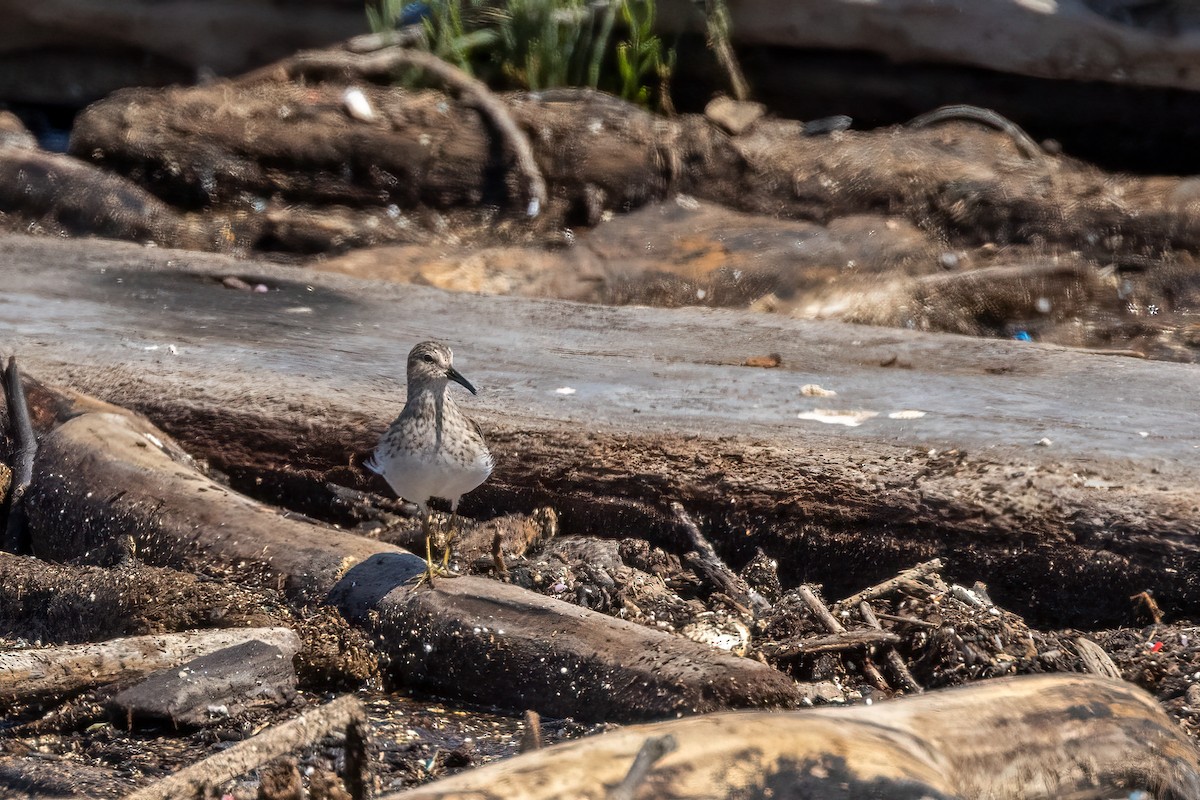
column 373, row 464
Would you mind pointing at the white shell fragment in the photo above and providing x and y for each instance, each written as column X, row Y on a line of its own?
column 357, row 105
column 851, row 419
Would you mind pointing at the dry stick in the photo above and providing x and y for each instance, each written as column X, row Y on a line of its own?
column 716, row 571
column 891, row 584
column 830, row 622
column 893, row 658
column 256, row 751
column 920, row 623
column 531, row 738
column 834, row 642
column 386, row 60
column 651, row 751
column 1024, row 142
column 16, row 537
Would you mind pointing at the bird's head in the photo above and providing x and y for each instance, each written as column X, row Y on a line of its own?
column 433, row 363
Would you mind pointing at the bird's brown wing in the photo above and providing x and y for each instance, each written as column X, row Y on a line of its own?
column 478, row 431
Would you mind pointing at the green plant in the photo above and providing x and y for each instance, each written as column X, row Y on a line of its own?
column 642, row 54
column 541, row 44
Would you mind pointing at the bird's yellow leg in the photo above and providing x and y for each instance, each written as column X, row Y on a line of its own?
column 427, row 575
column 449, row 539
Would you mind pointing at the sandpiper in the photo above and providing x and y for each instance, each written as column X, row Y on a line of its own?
column 432, row 449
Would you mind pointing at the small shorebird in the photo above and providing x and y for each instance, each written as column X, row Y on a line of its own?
column 432, row 449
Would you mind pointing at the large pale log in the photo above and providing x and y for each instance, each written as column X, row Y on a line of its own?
column 101, row 473
column 37, row 674
column 1030, row 738
column 678, row 419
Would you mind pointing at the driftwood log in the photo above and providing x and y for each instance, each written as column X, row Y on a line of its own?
column 102, row 473
column 1042, row 525
column 1031, row 738
column 969, row 184
column 43, row 673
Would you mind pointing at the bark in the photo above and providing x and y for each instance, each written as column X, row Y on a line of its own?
column 1030, row 738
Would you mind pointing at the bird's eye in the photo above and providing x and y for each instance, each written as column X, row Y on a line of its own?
column 428, row 359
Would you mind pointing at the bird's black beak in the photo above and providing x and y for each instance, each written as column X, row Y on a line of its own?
column 457, row 377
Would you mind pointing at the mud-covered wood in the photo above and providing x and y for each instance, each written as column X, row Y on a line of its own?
column 102, row 472
column 1031, row 738
column 1043, row 525
column 967, row 183
column 210, row 688
column 42, row 673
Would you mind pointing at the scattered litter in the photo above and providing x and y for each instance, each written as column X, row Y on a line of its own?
column 906, row 414
column 1143, row 434
column 850, row 419
column 234, row 282
column 564, row 390
column 1022, row 336
column 1044, row 442
column 816, row 390
column 298, row 310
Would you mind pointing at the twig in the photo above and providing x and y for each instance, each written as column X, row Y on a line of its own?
column 920, row 623
column 255, row 751
column 651, row 751
column 818, row 608
column 1024, row 142
column 714, row 570
column 852, row 638
column 16, row 536
column 531, row 737
column 895, row 662
column 891, row 584
column 834, row 642
column 384, row 61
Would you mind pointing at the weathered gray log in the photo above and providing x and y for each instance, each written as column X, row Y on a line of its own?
column 1030, row 738
column 469, row 637
column 41, row 673
column 272, row 743
column 845, row 506
column 210, row 688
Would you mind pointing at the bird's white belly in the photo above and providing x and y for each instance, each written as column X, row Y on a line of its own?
column 419, row 476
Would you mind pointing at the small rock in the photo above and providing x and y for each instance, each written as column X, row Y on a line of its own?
column 733, row 116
